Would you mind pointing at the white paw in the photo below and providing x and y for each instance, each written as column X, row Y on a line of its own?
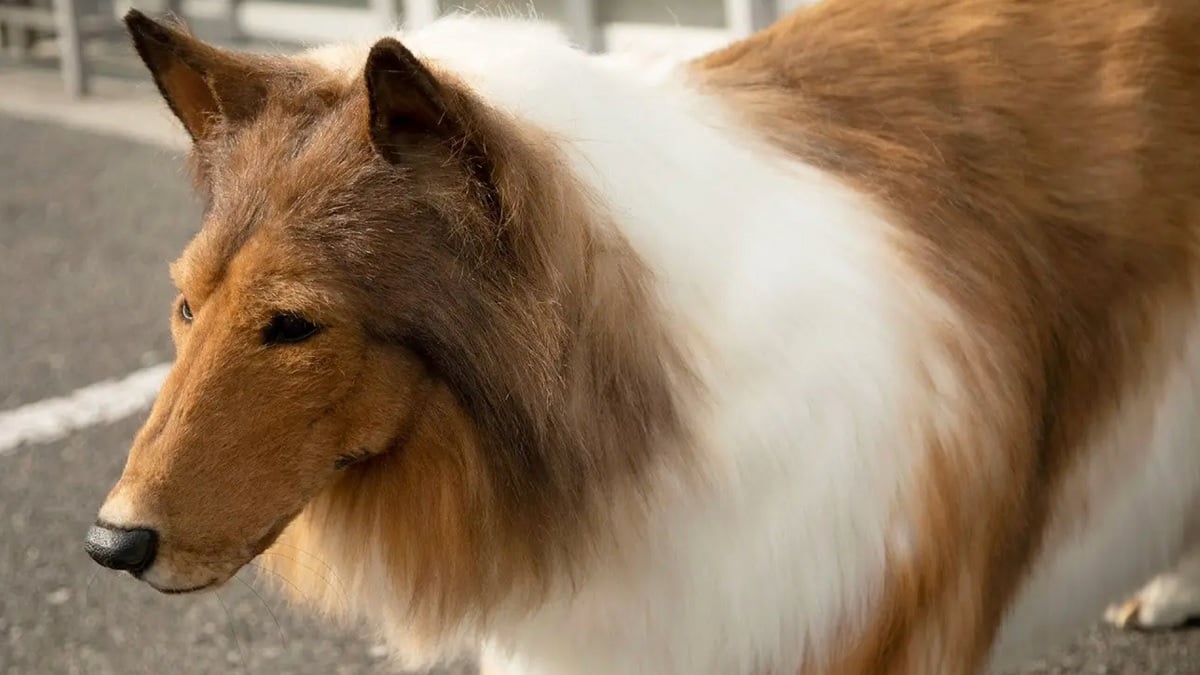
column 1169, row 601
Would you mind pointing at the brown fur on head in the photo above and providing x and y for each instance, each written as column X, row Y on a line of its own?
column 371, row 285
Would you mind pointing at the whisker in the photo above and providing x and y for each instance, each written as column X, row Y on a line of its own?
column 282, row 637
column 341, row 586
column 289, row 582
column 297, row 549
column 128, row 615
column 88, row 586
column 233, row 631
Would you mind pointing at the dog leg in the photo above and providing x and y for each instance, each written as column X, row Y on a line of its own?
column 1168, row 601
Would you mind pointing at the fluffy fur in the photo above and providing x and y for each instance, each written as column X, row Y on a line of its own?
column 863, row 345
column 1169, row 600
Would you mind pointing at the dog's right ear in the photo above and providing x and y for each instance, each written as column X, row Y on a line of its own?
column 209, row 89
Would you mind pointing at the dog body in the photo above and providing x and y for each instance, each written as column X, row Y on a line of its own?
column 864, row 345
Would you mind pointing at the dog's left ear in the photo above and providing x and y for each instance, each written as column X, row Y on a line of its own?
column 408, row 105
column 207, row 88
column 406, row 101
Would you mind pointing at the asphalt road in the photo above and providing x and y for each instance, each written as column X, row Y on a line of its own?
column 87, row 227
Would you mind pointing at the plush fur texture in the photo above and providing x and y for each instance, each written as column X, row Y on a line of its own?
column 863, row 345
column 1169, row 600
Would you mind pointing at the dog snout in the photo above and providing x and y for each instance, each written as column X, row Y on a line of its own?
column 127, row 550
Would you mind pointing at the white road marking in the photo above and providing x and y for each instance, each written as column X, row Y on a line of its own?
column 101, row 403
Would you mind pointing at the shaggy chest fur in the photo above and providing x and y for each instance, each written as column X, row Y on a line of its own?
column 858, row 346
column 919, row 255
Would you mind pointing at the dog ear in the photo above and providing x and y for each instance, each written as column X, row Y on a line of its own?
column 409, row 105
column 207, row 88
column 406, row 100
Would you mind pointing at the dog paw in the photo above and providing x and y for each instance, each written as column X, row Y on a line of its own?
column 1169, row 601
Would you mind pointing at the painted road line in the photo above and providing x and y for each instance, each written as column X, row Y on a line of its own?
column 101, row 403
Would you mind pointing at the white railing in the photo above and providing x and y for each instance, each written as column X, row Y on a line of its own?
column 308, row 22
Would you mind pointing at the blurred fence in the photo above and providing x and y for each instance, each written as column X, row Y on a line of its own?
column 597, row 25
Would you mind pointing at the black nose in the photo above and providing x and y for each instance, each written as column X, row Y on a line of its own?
column 117, row 549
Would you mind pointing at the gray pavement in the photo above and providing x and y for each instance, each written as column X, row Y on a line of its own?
column 87, row 227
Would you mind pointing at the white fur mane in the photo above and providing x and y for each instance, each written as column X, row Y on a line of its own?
column 807, row 329
column 738, row 236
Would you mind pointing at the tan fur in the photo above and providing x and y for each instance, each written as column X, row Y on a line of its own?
column 492, row 352
column 1042, row 160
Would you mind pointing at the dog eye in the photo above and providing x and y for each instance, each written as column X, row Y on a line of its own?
column 288, row 328
column 185, row 311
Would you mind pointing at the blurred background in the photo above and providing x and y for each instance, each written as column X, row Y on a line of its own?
column 94, row 203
